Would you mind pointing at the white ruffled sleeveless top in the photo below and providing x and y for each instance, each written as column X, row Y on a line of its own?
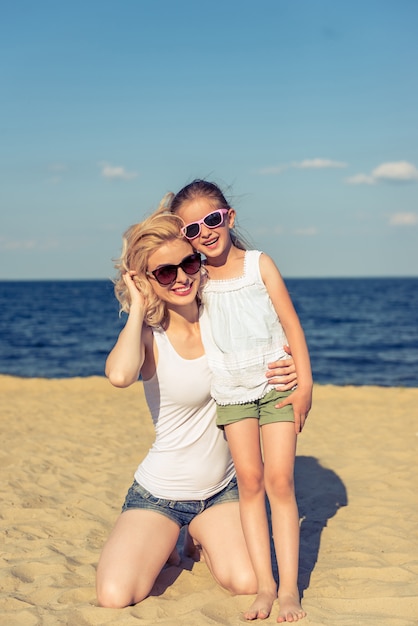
column 241, row 334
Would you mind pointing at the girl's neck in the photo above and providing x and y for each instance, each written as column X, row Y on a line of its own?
column 228, row 265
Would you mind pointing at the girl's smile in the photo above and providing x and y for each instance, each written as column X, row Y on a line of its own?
column 209, row 240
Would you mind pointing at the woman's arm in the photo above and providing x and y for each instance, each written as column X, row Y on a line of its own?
column 283, row 373
column 124, row 363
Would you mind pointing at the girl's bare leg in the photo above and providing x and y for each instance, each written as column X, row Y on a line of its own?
column 136, row 551
column 279, row 444
column 218, row 531
column 244, row 442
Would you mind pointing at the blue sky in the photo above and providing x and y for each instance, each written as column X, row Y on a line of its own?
column 304, row 111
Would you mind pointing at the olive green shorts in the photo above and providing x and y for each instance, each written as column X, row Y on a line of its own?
column 263, row 409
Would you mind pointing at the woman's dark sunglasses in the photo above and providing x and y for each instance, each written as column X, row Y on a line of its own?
column 167, row 274
column 212, row 220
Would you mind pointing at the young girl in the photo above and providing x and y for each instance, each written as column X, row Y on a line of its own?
column 247, row 314
column 187, row 476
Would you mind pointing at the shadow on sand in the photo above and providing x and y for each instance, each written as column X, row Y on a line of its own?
column 171, row 572
column 319, row 493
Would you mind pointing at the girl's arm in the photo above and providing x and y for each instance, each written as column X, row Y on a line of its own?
column 301, row 398
column 125, row 361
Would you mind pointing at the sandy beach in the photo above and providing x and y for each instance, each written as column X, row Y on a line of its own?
column 69, row 450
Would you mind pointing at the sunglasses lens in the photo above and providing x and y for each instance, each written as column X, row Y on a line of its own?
column 192, row 230
column 213, row 219
column 192, row 264
column 166, row 274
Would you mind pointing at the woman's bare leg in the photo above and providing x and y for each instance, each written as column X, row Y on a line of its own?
column 133, row 556
column 279, row 444
column 191, row 548
column 218, row 531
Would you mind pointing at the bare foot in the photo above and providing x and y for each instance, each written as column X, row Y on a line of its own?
column 290, row 608
column 261, row 607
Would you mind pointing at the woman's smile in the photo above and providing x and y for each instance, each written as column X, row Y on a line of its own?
column 183, row 290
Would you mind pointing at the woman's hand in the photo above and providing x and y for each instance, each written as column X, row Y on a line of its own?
column 136, row 297
column 282, row 373
column 124, row 363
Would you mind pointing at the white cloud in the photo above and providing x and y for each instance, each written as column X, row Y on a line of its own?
column 311, row 231
column 274, row 169
column 116, row 172
column 403, row 219
column 400, row 170
column 55, row 180
column 27, row 244
column 318, row 164
column 360, row 179
column 58, row 167
column 262, row 231
column 306, row 164
column 109, row 227
column 56, row 170
column 11, row 244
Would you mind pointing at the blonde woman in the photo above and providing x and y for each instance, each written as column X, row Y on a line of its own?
column 187, row 477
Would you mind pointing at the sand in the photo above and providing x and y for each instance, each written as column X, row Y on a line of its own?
column 69, row 450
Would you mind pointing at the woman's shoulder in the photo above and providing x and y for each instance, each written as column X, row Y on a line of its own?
column 152, row 332
column 152, row 335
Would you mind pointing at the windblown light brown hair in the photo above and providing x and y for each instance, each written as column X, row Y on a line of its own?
column 139, row 242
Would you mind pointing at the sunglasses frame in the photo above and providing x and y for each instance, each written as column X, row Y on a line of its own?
column 199, row 223
column 193, row 256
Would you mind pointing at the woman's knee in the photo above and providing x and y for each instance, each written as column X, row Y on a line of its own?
column 237, row 577
column 239, row 582
column 111, row 594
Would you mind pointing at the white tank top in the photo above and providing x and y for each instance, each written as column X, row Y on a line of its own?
column 189, row 459
column 241, row 334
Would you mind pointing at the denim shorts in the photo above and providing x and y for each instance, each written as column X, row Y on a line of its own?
column 180, row 511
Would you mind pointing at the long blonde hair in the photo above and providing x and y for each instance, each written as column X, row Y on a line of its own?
column 139, row 242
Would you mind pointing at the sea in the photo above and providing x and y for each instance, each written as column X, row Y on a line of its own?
column 360, row 331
